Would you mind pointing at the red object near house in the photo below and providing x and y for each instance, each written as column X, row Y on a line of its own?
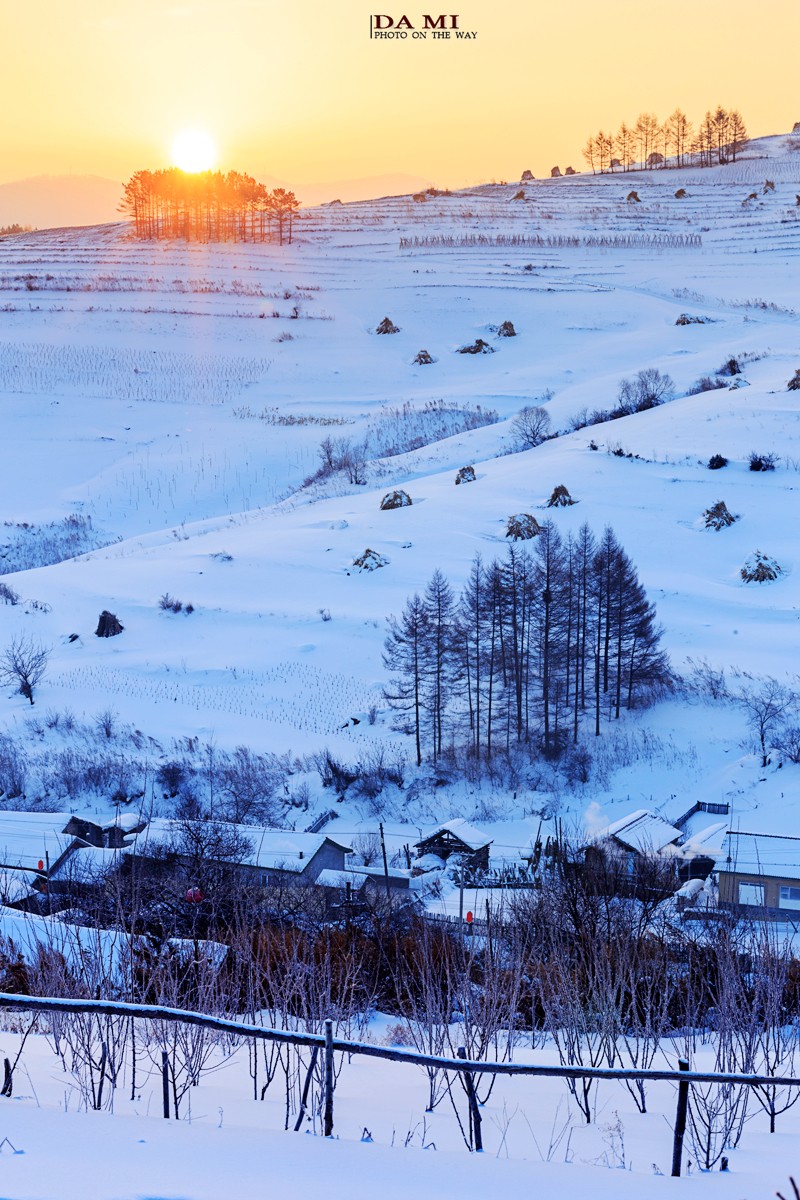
column 194, row 895
column 41, row 865
column 469, row 918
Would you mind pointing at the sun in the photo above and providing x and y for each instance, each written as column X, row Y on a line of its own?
column 193, row 150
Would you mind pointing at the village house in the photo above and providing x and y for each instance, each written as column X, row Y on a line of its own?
column 453, row 837
column 760, row 873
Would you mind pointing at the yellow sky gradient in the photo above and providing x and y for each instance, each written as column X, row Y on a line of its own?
column 298, row 91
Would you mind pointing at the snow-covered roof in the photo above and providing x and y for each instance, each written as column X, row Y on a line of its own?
column 461, row 829
column 88, row 864
column 379, row 873
column 761, row 854
column 27, row 838
column 15, row 885
column 706, row 842
column 340, row 879
column 269, row 849
column 641, row 830
column 126, row 821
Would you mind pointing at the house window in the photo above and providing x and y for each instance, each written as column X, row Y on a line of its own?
column 751, row 893
column 789, row 897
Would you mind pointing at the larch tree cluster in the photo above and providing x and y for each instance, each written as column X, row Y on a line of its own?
column 649, row 143
column 207, row 206
column 537, row 647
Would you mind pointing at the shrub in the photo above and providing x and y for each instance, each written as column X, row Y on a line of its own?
column 688, row 319
column 647, row 389
column 788, row 742
column 42, row 545
column 794, row 383
column 730, row 367
column 560, row 497
column 398, row 429
column 762, row 462
column 506, row 330
column 168, row 603
column 170, row 776
column 717, row 461
column 522, row 526
column 23, row 664
column 531, row 426
column 706, row 383
column 8, row 595
column 465, row 475
column 760, row 568
column 106, row 723
column 423, row 358
column 387, row 326
column 396, row 499
column 718, row 516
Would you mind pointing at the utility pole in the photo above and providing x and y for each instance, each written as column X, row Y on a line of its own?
column 385, row 863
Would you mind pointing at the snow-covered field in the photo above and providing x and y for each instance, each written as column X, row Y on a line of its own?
column 383, row 1139
column 174, row 397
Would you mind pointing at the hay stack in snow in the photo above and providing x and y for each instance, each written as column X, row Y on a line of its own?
column 522, row 527
column 760, row 568
column 396, row 499
column 719, row 516
column 108, row 625
column 465, row 475
column 560, row 498
column 370, row 560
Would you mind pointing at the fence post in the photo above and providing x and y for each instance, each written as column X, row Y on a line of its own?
column 165, row 1082
column 474, row 1111
column 304, row 1098
column 680, row 1119
column 328, row 1114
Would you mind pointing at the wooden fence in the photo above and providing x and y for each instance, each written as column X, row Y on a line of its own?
column 329, row 1045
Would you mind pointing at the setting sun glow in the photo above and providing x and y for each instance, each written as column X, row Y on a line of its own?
column 193, row 150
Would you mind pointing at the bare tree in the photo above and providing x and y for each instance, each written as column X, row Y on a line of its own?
column 765, row 703
column 24, row 663
column 531, row 426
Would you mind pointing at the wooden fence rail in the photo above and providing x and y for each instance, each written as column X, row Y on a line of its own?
column 329, row 1045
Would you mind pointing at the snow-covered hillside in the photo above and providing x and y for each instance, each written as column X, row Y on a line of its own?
column 175, row 397
column 164, row 408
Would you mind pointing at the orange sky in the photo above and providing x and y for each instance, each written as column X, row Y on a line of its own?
column 298, row 91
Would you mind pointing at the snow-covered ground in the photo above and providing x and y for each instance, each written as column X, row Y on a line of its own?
column 383, row 1139
column 147, row 387
column 176, row 396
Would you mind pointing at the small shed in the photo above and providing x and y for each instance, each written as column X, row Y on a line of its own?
column 111, row 835
column 760, row 871
column 457, row 837
column 641, row 832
